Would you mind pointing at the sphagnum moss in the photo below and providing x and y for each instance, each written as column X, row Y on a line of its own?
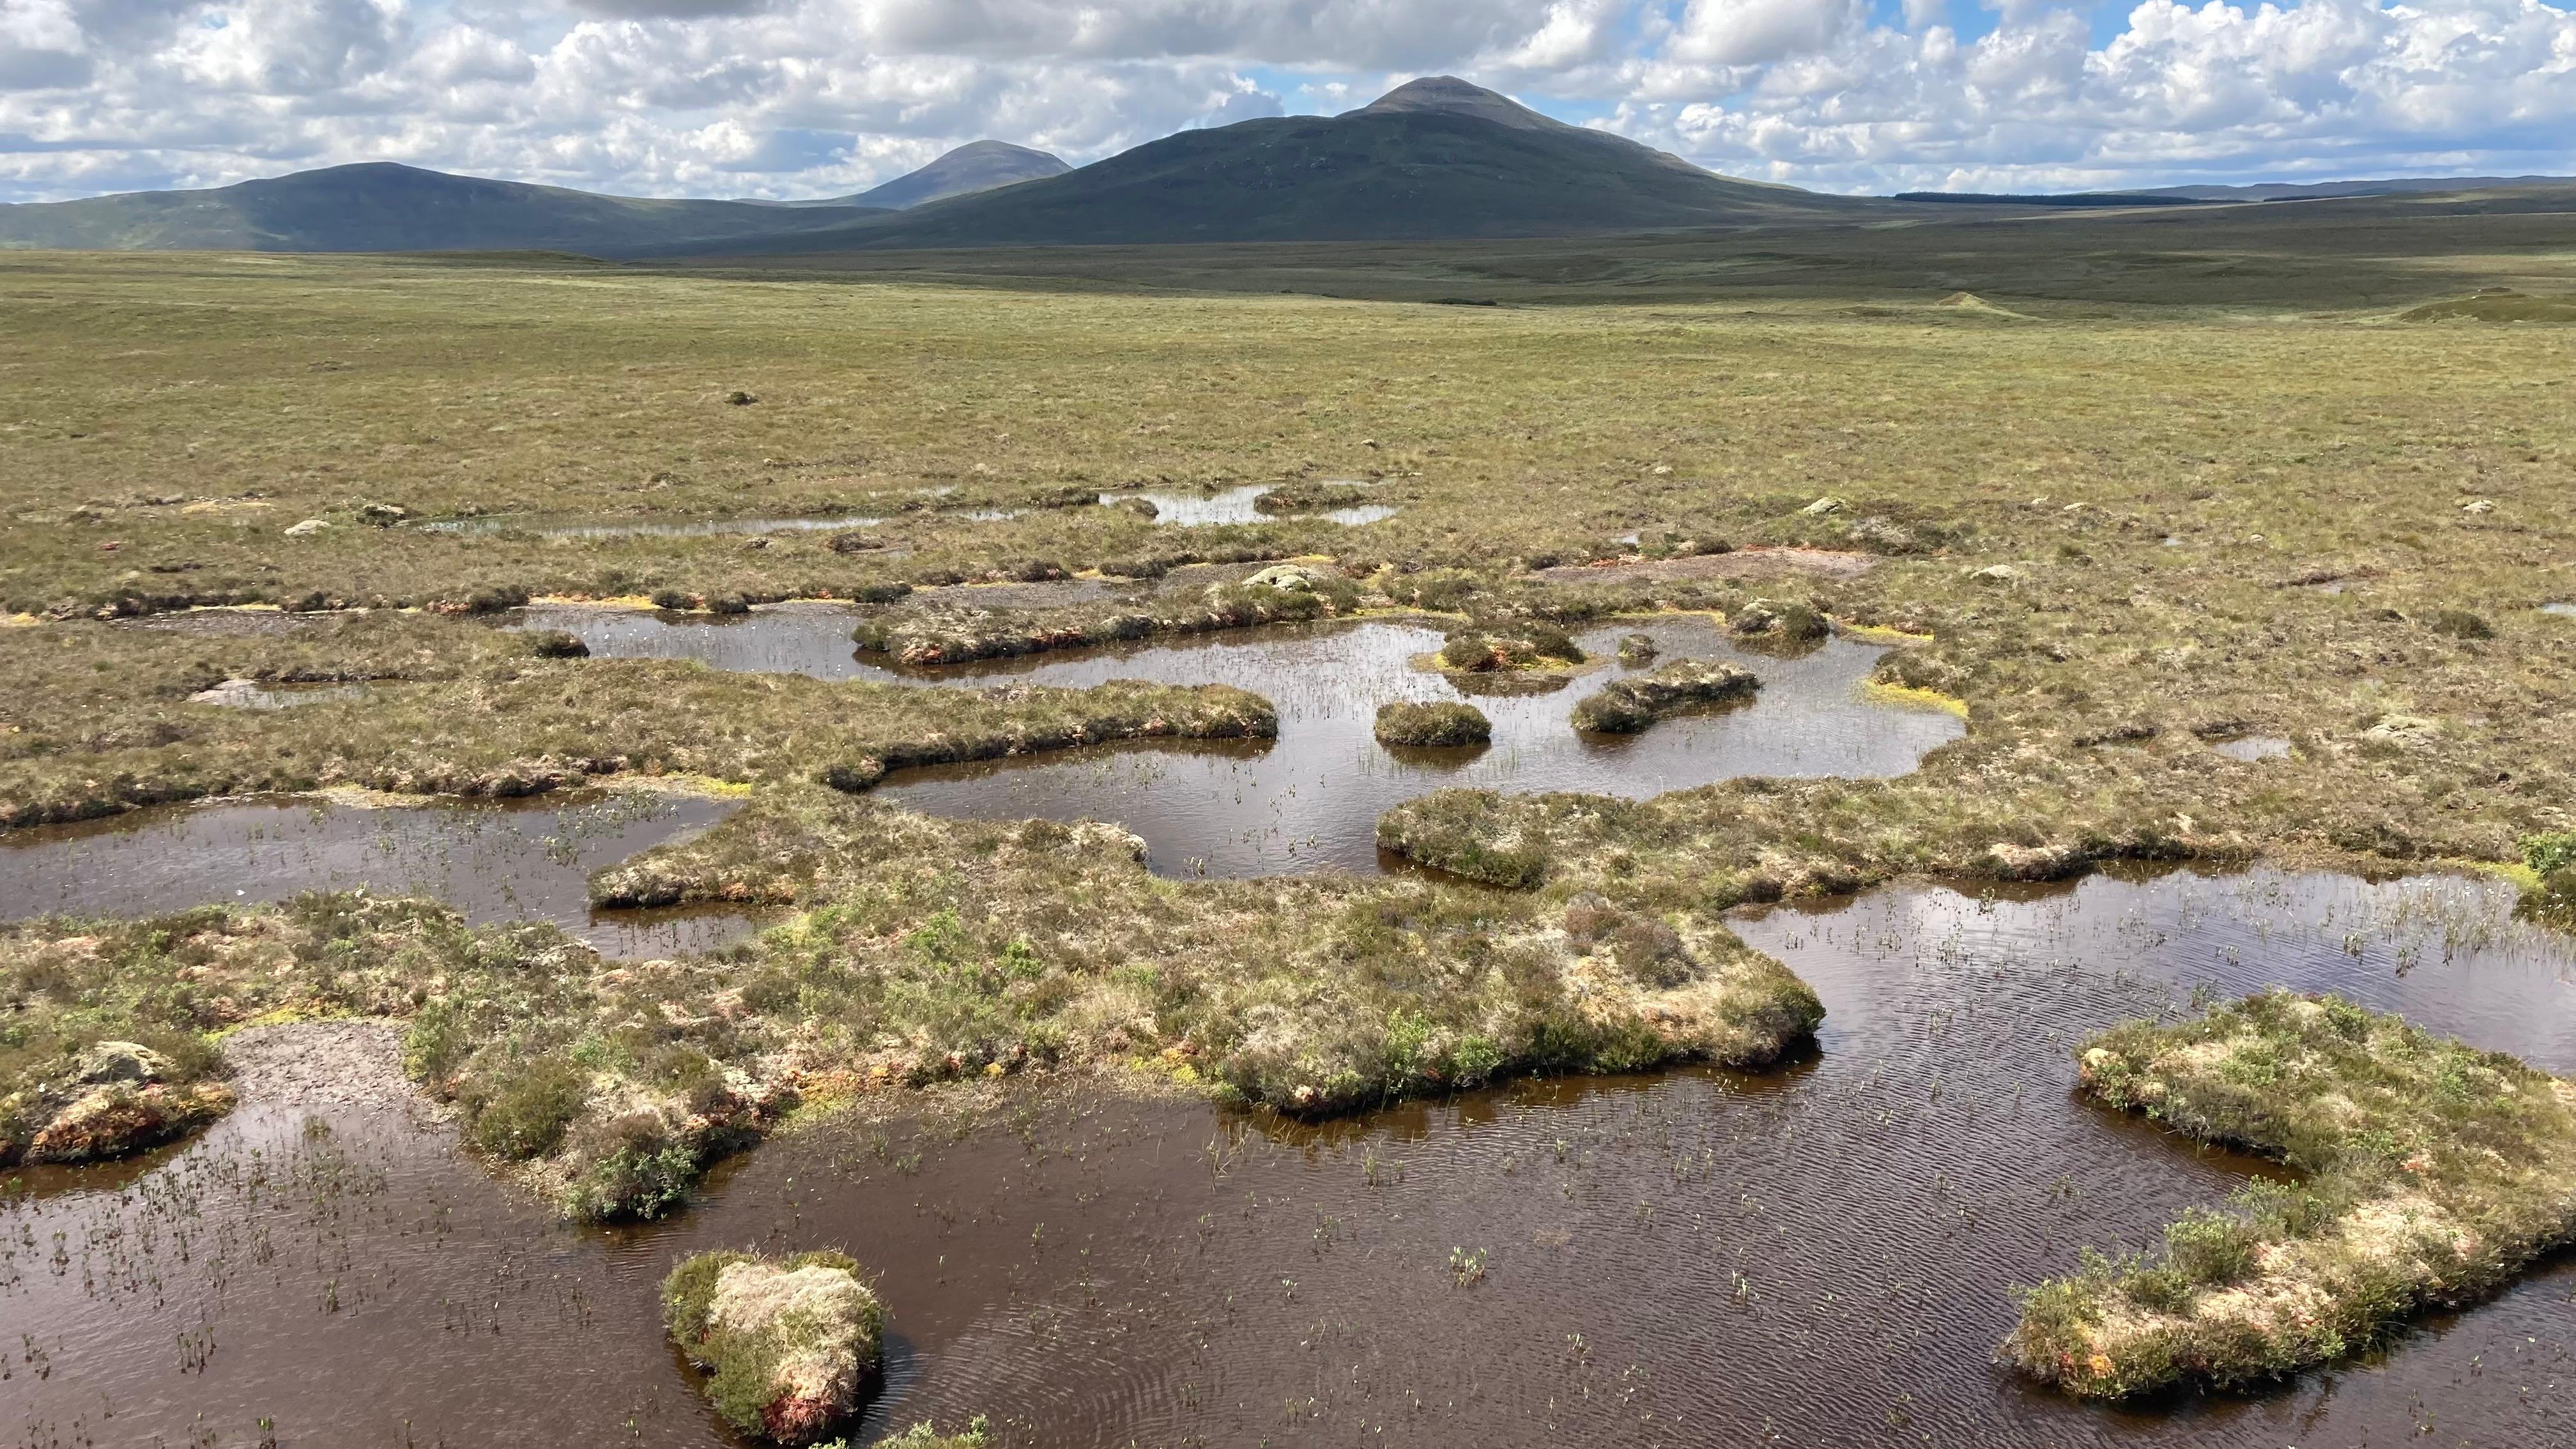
column 2435, row 1172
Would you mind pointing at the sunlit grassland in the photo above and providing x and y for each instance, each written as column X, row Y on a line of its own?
column 584, row 391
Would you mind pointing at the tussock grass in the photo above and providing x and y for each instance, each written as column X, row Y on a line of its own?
column 786, row 1344
column 1407, row 723
column 2434, row 1173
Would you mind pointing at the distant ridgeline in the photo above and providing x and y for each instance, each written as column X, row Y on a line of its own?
column 2069, row 198
column 1435, row 159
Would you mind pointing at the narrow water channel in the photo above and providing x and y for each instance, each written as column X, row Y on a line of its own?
column 1815, row 1256
column 494, row 861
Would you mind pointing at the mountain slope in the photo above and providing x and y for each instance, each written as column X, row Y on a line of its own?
column 975, row 166
column 1431, row 160
column 382, row 206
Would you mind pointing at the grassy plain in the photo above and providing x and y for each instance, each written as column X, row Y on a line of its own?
column 2160, row 482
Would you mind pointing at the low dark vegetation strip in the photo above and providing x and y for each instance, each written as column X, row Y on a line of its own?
column 1626, row 706
column 1279, row 595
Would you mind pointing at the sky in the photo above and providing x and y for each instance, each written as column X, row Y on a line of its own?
column 800, row 98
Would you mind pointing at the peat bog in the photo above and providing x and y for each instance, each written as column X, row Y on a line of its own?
column 1533, row 1264
column 1310, row 798
column 2183, row 546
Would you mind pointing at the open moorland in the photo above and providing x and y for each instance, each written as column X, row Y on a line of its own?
column 2238, row 538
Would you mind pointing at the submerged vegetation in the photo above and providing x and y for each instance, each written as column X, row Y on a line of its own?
column 2432, row 1172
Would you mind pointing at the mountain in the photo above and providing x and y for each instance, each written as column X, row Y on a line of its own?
column 975, row 166
column 1434, row 158
column 382, row 206
column 1451, row 96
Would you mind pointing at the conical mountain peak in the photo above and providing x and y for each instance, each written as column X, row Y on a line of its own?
column 1449, row 94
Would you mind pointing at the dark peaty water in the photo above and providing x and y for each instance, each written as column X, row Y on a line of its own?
column 495, row 861
column 1311, row 798
column 1816, row 1256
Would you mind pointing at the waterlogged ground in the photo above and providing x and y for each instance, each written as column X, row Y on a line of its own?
column 1311, row 798
column 495, row 861
column 1814, row 1256
column 1237, row 505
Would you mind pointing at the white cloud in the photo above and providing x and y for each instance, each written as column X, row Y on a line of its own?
column 1749, row 32
column 803, row 97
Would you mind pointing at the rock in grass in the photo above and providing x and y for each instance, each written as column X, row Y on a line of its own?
column 1625, row 706
column 786, row 1343
column 2435, row 1172
column 1407, row 723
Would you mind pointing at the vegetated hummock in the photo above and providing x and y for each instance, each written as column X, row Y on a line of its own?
column 1509, row 644
column 1408, row 722
column 946, row 633
column 75, row 1094
column 2433, row 1173
column 1625, row 706
column 787, row 1344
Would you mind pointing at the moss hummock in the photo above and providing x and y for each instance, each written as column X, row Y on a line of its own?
column 2436, row 1172
column 101, row 1058
column 787, row 1343
column 1626, row 706
column 1407, row 723
column 119, row 1098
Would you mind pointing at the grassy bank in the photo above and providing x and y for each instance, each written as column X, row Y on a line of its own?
column 2434, row 1173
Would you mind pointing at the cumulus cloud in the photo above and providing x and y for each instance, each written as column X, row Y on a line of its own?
column 807, row 97
column 1748, row 32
